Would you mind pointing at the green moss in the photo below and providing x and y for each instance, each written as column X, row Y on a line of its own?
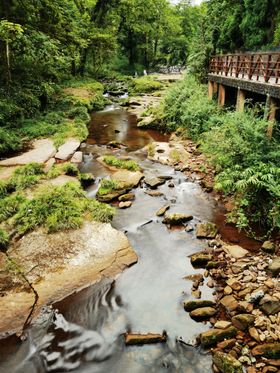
column 120, row 163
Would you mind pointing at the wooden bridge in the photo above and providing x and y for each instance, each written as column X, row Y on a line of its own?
column 258, row 73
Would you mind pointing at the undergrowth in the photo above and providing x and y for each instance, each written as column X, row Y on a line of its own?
column 246, row 160
column 144, row 84
column 108, row 186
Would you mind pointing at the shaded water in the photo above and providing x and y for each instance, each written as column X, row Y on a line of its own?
column 85, row 333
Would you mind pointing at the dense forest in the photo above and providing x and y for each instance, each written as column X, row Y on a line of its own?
column 43, row 43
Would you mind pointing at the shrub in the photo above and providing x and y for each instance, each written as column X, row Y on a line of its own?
column 9, row 141
column 144, row 84
column 101, row 211
column 80, row 113
column 120, row 163
column 10, row 206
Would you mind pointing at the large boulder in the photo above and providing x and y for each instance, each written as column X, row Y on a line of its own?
column 206, row 230
column 154, row 182
column 128, row 178
column 226, row 363
column 201, row 259
column 61, row 263
column 42, row 151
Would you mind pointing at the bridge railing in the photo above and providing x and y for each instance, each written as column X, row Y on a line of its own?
column 259, row 67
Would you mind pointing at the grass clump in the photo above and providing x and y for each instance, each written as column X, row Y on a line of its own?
column 60, row 208
column 4, row 239
column 9, row 141
column 144, row 84
column 10, row 205
column 108, row 185
column 120, row 163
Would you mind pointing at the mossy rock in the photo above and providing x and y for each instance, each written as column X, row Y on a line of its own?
column 110, row 196
column 177, row 219
column 191, row 305
column 206, row 230
column 243, row 321
column 213, row 336
column 227, row 363
column 269, row 247
column 267, row 350
column 200, row 260
column 203, row 313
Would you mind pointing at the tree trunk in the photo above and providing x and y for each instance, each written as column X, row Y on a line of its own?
column 83, row 62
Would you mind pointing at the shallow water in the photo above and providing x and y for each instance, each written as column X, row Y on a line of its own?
column 85, row 334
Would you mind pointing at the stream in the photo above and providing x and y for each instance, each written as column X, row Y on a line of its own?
column 85, row 333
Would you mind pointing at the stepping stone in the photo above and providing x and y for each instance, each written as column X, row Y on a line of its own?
column 77, row 158
column 42, row 151
column 66, row 150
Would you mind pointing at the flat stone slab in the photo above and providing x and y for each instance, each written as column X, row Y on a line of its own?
column 62, row 179
column 77, row 157
column 236, row 251
column 66, row 150
column 42, row 151
column 129, row 178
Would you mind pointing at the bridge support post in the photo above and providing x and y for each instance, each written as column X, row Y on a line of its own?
column 271, row 108
column 222, row 95
column 210, row 89
column 241, row 97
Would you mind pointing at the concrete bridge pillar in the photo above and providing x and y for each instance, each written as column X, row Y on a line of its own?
column 222, row 95
column 212, row 89
column 271, row 108
column 241, row 97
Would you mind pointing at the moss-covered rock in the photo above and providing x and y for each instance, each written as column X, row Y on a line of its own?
column 243, row 321
column 227, row 363
column 200, row 260
column 213, row 336
column 203, row 313
column 206, row 230
column 177, row 219
column 267, row 350
column 191, row 305
column 269, row 247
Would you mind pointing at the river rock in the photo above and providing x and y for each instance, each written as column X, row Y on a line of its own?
column 270, row 305
column 66, row 150
column 200, row 260
column 154, row 193
column 42, row 151
column 203, row 313
column 125, row 205
column 128, row 178
column 213, row 336
column 140, row 339
column 163, row 210
column 177, row 219
column 269, row 247
column 254, row 334
column 243, row 321
column 114, row 194
column 49, row 164
column 61, row 180
column 222, row 324
column 229, row 302
column 206, row 230
column 236, row 251
column 191, row 305
column 154, row 182
column 77, row 158
column 226, row 363
column 274, row 267
column 267, row 350
column 127, row 197
column 148, row 122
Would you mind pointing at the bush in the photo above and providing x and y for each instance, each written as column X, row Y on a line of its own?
column 120, row 163
column 9, row 206
column 145, row 84
column 9, row 141
column 79, row 112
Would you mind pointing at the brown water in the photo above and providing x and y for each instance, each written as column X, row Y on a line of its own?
column 84, row 334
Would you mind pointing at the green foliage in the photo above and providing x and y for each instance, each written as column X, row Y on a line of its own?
column 79, row 112
column 9, row 141
column 4, row 239
column 10, row 206
column 145, row 84
column 121, row 163
column 59, row 208
column 237, row 145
